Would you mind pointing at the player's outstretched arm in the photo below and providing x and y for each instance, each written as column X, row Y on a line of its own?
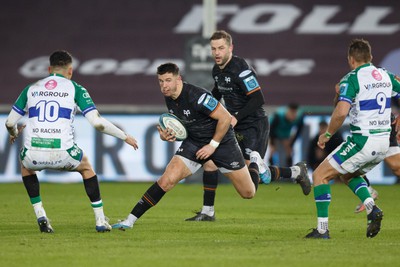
column 103, row 125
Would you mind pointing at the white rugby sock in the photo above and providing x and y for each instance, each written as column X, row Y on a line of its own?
column 322, row 225
column 369, row 203
column 39, row 210
column 131, row 219
column 295, row 171
column 208, row 210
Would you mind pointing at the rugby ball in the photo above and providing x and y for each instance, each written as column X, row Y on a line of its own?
column 168, row 120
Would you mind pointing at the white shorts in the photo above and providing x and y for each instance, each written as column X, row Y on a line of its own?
column 359, row 153
column 38, row 160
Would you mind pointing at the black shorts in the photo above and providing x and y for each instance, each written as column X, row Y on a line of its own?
column 254, row 138
column 227, row 155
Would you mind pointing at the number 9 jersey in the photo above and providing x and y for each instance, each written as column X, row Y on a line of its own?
column 369, row 90
column 50, row 105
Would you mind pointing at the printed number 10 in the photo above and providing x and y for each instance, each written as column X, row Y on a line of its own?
column 48, row 111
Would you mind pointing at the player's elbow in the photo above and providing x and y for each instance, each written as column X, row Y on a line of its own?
column 9, row 124
column 99, row 126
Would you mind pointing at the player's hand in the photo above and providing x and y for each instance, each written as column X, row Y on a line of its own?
column 397, row 122
column 131, row 141
column 166, row 135
column 205, row 152
column 234, row 121
column 20, row 128
column 322, row 140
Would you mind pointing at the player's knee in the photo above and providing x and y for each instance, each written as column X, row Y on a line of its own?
column 166, row 183
column 248, row 194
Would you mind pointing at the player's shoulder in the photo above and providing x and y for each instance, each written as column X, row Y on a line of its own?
column 239, row 64
column 350, row 75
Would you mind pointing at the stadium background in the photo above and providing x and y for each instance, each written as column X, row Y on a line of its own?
column 297, row 48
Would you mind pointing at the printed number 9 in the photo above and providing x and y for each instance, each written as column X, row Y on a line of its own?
column 381, row 100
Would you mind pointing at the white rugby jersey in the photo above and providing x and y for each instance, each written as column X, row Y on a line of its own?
column 369, row 91
column 50, row 105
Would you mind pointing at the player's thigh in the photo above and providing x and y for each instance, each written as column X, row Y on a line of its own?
column 228, row 156
column 37, row 160
column 254, row 138
column 359, row 153
column 85, row 168
column 242, row 182
column 175, row 171
column 393, row 159
column 209, row 166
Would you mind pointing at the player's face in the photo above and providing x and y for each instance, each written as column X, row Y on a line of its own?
column 169, row 84
column 221, row 52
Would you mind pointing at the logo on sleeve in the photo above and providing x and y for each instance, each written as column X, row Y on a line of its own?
column 201, row 98
column 251, row 83
column 210, row 102
column 343, row 88
column 244, row 73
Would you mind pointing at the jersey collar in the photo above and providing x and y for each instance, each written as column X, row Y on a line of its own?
column 57, row 74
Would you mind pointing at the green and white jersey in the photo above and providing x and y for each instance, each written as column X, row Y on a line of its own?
column 50, row 105
column 369, row 90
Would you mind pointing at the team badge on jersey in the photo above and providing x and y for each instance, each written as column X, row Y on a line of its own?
column 251, row 83
column 376, row 75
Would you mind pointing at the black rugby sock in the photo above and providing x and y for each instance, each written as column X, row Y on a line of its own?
column 210, row 183
column 32, row 185
column 92, row 188
column 280, row 172
column 254, row 174
column 148, row 200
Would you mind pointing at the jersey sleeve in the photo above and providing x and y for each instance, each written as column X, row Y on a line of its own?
column 396, row 84
column 20, row 104
column 348, row 89
column 248, row 81
column 83, row 99
column 207, row 104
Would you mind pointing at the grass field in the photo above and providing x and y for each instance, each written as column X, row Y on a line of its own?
column 265, row 231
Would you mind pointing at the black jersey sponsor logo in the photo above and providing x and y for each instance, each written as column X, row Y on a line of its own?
column 377, row 85
column 49, row 93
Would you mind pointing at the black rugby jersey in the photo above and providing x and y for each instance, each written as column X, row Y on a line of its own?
column 193, row 107
column 235, row 82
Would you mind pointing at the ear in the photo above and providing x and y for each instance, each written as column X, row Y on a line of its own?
column 70, row 71
column 50, row 70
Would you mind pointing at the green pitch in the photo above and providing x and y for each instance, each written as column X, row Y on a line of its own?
column 265, row 231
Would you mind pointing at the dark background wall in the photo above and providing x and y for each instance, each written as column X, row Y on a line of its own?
column 297, row 47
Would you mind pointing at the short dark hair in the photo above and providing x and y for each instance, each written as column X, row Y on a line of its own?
column 168, row 68
column 60, row 58
column 222, row 35
column 293, row 106
column 360, row 50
